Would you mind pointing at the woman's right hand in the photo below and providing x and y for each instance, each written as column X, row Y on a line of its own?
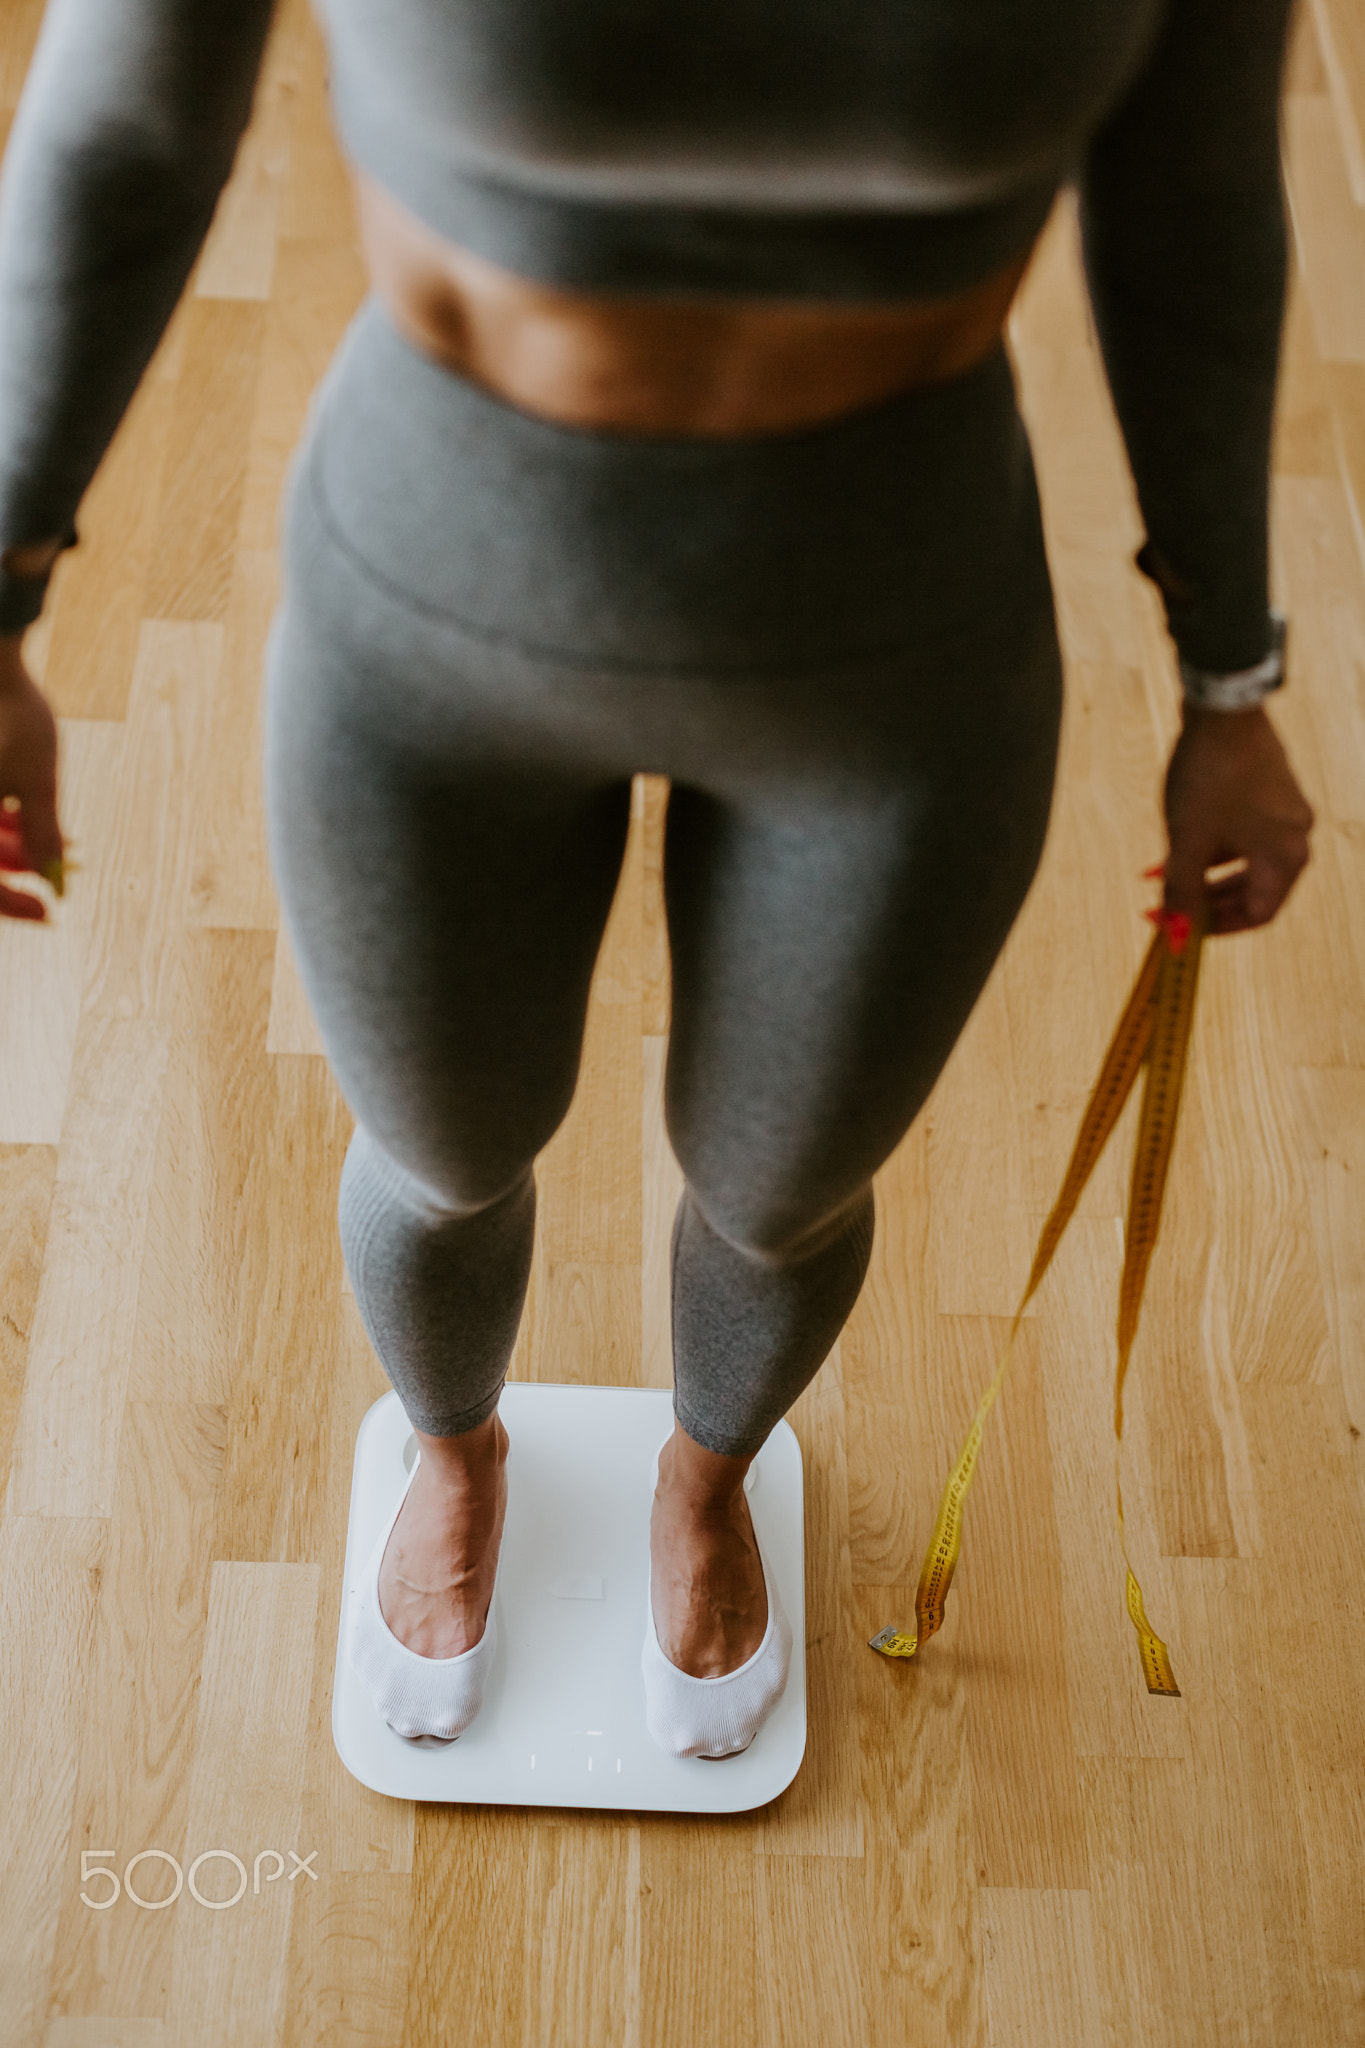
column 30, row 837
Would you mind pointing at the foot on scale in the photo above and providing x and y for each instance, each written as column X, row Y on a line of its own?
column 717, row 1643
column 423, row 1629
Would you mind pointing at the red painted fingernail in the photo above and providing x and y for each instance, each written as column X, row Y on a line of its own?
column 1155, row 916
column 1178, row 932
column 1154, row 874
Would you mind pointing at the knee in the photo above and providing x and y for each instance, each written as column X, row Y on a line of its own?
column 778, row 1234
column 428, row 1182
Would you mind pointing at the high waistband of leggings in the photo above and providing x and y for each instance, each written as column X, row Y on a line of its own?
column 910, row 523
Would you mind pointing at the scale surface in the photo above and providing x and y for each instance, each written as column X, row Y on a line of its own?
column 563, row 1720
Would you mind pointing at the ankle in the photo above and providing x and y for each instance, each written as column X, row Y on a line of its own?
column 469, row 1465
column 705, row 1485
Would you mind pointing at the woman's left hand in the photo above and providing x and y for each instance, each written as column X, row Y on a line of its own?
column 1231, row 796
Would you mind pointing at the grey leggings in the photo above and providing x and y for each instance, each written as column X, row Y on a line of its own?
column 837, row 644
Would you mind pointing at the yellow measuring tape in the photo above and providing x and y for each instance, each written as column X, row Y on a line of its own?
column 1154, row 1032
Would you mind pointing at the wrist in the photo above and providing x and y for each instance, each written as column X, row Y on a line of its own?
column 1232, row 693
column 14, row 677
column 1204, row 718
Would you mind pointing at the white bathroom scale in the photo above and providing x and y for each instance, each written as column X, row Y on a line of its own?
column 563, row 1719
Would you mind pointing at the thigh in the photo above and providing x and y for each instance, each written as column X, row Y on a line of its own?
column 830, row 934
column 445, row 894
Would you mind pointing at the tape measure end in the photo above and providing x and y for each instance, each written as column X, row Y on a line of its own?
column 893, row 1642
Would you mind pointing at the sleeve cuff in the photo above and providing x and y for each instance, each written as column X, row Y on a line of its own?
column 22, row 597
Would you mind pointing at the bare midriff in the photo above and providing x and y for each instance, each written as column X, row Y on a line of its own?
column 711, row 367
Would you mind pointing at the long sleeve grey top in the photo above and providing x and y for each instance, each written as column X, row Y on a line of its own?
column 844, row 150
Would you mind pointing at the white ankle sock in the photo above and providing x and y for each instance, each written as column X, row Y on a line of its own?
column 715, row 1717
column 416, row 1695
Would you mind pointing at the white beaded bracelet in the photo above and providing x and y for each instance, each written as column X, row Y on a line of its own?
column 1243, row 687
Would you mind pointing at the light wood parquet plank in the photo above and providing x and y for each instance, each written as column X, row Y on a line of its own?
column 1304, row 70
column 1112, row 1715
column 1305, row 438
column 889, row 1352
column 1329, row 226
column 1234, row 1821
column 318, row 204
column 813, row 1980
column 139, row 887
column 1040, row 1975
column 207, row 444
column 1314, row 990
column 976, row 1167
column 586, row 1301
column 892, row 1330
column 1183, row 1958
column 582, row 1934
column 139, row 1708
column 1008, row 1625
column 589, row 1174
column 1098, row 598
column 587, row 1324
column 1340, row 40
column 889, row 1516
column 237, row 260
column 1331, row 1106
column 230, row 883
column 651, row 809
column 99, row 590
column 49, row 1592
column 472, row 1875
column 1087, row 493
column 1308, row 1457
column 906, row 1409
column 698, row 1933
column 80, row 1347
column 618, row 976
column 1245, row 1127
column 19, row 27
column 27, row 1174
column 290, row 1427
column 205, row 1196
column 1063, row 997
column 922, row 1932
column 228, row 1971
column 661, row 1191
column 348, row 1963
column 42, row 967
column 1324, row 581
column 909, row 1395
column 1159, row 1984
column 292, row 1029
column 1184, row 1356
column 103, row 2033
column 1346, row 387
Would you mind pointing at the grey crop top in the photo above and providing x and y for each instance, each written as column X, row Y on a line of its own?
column 811, row 149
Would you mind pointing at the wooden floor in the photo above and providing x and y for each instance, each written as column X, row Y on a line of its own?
column 1008, row 1843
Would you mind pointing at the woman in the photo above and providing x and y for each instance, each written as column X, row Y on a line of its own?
column 677, row 435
